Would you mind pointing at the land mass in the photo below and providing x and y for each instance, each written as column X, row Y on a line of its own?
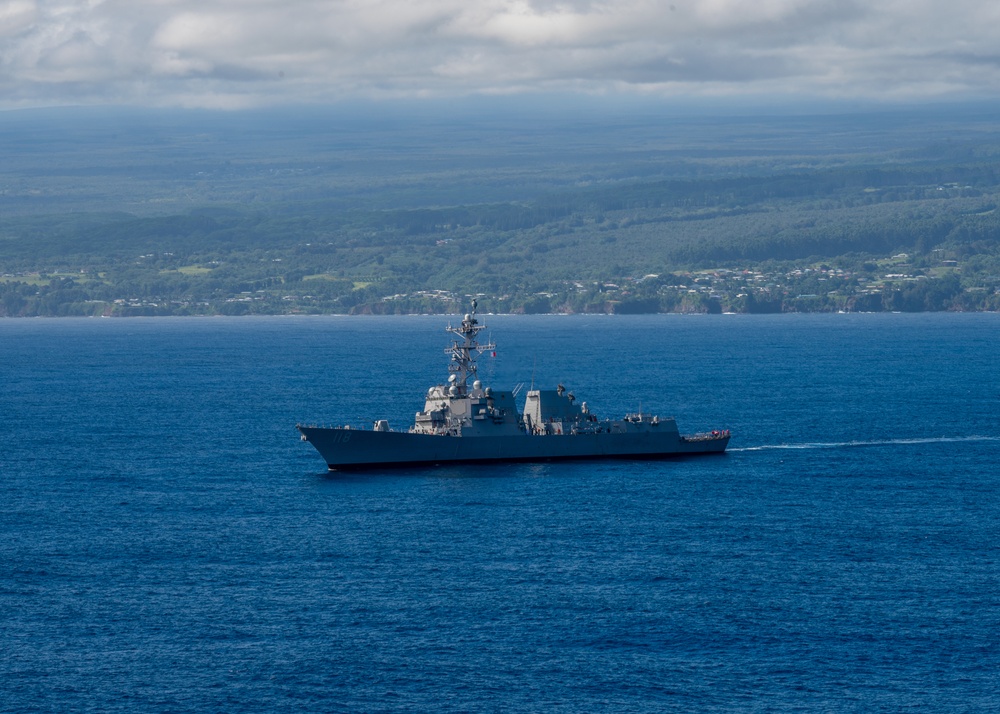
column 123, row 213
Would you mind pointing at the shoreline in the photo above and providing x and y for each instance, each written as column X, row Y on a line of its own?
column 17, row 318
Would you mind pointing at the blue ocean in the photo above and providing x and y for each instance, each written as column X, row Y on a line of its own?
column 167, row 543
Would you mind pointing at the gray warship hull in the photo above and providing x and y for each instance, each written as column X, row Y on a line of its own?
column 345, row 449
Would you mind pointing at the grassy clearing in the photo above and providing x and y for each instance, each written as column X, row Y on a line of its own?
column 27, row 279
column 190, row 270
column 36, row 279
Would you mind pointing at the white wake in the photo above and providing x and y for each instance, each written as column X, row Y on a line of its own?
column 878, row 442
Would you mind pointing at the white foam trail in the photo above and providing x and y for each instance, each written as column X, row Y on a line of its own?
column 849, row 444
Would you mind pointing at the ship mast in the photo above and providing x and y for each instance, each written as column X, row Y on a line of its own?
column 463, row 361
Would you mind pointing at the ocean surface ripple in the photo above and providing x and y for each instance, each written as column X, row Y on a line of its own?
column 169, row 544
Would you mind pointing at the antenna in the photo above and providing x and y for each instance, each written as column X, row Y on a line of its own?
column 492, row 367
column 534, row 361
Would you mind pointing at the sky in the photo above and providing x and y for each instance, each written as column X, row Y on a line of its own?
column 232, row 54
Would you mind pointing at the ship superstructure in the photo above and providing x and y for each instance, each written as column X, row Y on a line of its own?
column 472, row 423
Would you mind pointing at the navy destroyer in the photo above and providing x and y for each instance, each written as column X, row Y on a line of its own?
column 463, row 422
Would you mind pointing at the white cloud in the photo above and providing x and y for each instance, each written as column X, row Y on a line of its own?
column 15, row 16
column 241, row 52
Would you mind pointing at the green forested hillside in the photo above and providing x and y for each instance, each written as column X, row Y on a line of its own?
column 911, row 227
